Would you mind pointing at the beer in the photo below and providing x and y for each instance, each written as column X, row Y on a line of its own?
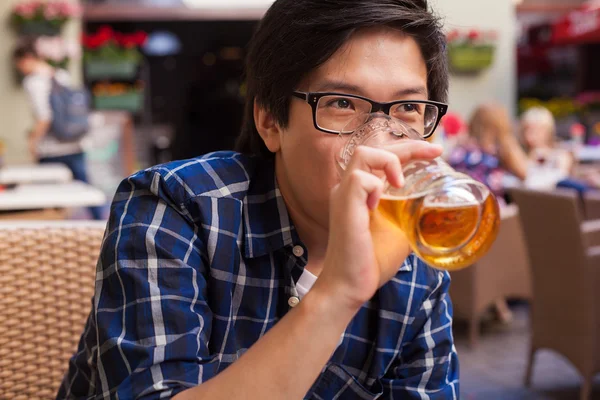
column 446, row 217
column 446, row 236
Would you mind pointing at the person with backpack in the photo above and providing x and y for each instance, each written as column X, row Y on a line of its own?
column 60, row 113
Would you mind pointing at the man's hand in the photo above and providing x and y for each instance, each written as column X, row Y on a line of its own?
column 353, row 272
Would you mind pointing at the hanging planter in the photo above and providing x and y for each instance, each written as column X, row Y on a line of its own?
column 132, row 102
column 118, row 96
column 39, row 28
column 112, row 55
column 105, row 69
column 43, row 18
column 471, row 53
column 471, row 59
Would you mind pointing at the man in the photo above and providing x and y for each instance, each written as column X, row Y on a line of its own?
column 43, row 146
column 207, row 284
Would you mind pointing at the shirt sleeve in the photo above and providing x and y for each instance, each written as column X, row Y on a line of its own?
column 148, row 332
column 38, row 94
column 428, row 366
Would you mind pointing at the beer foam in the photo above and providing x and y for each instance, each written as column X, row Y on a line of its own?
column 395, row 197
column 462, row 203
column 429, row 202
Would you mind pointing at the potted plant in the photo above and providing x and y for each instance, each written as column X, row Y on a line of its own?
column 590, row 106
column 110, row 54
column 472, row 51
column 118, row 96
column 36, row 17
column 590, row 101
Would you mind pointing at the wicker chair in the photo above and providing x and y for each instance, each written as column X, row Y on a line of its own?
column 46, row 286
column 502, row 273
column 591, row 204
column 565, row 313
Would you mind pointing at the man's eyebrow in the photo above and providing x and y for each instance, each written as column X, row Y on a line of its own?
column 420, row 90
column 344, row 87
column 339, row 86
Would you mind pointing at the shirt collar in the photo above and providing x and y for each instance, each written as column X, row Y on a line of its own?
column 267, row 224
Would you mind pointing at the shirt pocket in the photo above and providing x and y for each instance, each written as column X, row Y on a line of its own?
column 336, row 382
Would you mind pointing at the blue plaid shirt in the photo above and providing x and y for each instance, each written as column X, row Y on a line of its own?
column 198, row 262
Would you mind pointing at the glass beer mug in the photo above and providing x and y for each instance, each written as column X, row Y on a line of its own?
column 449, row 219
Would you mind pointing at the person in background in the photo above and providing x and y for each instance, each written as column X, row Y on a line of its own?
column 492, row 153
column 43, row 146
column 548, row 166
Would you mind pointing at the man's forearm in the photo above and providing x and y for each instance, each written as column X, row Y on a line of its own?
column 285, row 362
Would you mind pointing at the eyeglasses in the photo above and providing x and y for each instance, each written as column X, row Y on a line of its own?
column 332, row 112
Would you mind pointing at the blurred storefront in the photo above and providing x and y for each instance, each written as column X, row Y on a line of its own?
column 558, row 59
column 188, row 86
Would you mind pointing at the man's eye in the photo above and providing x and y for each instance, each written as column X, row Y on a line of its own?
column 409, row 107
column 340, row 103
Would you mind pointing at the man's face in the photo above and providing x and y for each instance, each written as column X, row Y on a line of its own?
column 381, row 64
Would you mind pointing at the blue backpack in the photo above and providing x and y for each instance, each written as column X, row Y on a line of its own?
column 70, row 112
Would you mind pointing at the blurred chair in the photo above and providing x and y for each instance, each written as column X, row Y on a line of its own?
column 502, row 273
column 565, row 314
column 47, row 274
column 591, row 203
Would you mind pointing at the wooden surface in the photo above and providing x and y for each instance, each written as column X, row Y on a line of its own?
column 35, row 215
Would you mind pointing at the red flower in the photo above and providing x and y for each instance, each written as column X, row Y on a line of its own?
column 453, row 124
column 140, row 38
column 474, row 34
column 453, row 35
column 119, row 38
column 129, row 42
column 86, row 41
column 93, row 42
column 105, row 33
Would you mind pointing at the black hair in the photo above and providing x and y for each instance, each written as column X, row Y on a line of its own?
column 26, row 48
column 297, row 36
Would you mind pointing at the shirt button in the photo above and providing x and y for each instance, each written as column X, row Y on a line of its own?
column 298, row 251
column 293, row 301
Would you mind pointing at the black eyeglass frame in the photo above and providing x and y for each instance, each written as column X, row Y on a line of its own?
column 312, row 98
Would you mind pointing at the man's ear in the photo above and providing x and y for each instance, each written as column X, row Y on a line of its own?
column 267, row 127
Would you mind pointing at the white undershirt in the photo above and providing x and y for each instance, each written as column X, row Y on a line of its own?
column 305, row 283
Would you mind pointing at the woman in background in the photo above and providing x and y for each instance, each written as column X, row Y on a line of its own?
column 548, row 165
column 491, row 154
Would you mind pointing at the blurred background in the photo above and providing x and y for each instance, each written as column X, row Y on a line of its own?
column 165, row 79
